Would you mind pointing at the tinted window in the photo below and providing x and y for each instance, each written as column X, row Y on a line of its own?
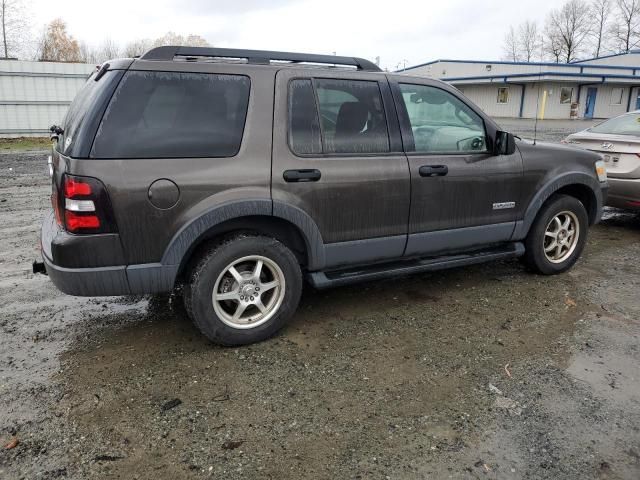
column 82, row 103
column 352, row 117
column 441, row 123
column 304, row 126
column 171, row 114
column 623, row 125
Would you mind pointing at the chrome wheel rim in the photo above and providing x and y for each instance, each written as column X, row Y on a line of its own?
column 248, row 292
column 561, row 237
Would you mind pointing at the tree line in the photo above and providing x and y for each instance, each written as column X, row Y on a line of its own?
column 577, row 29
column 56, row 44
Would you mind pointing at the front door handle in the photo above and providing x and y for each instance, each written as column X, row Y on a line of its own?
column 433, row 170
column 303, row 175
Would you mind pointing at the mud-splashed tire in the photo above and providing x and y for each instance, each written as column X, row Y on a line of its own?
column 210, row 278
column 542, row 255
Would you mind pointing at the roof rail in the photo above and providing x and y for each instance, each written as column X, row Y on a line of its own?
column 260, row 57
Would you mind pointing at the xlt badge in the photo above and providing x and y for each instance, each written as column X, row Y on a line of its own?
column 503, row 205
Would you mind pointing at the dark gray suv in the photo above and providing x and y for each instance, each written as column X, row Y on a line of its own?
column 235, row 174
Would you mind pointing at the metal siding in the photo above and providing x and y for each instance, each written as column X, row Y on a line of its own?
column 486, row 97
column 35, row 95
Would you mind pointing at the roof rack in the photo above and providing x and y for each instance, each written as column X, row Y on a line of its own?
column 259, row 57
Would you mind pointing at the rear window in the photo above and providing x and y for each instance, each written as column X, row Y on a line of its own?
column 82, row 103
column 622, row 125
column 174, row 114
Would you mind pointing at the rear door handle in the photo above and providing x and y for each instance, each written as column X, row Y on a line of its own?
column 433, row 170
column 303, row 175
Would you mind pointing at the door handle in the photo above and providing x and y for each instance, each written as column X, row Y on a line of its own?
column 433, row 170
column 303, row 175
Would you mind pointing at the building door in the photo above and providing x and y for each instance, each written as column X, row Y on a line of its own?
column 638, row 100
column 591, row 102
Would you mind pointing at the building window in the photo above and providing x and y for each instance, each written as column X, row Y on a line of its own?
column 503, row 95
column 616, row 96
column 566, row 94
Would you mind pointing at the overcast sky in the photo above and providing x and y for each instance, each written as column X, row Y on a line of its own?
column 395, row 30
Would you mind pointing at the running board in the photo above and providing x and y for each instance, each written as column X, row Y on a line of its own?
column 337, row 278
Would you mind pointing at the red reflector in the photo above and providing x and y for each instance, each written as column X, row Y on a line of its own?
column 77, row 222
column 633, row 203
column 56, row 208
column 74, row 188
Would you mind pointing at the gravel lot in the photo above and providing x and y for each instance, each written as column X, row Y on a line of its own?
column 482, row 372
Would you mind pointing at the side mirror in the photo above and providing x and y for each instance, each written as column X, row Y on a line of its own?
column 505, row 144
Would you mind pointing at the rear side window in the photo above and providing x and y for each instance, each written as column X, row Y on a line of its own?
column 351, row 117
column 304, row 125
column 79, row 111
column 174, row 114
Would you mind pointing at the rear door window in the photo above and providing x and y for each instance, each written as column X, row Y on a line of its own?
column 173, row 115
column 337, row 116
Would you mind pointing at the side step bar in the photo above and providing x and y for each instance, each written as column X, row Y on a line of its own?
column 337, row 278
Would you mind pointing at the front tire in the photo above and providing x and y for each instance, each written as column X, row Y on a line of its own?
column 557, row 237
column 243, row 290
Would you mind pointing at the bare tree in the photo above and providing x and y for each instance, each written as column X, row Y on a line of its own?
column 552, row 44
column 568, row 29
column 14, row 26
column 600, row 11
column 510, row 47
column 57, row 45
column 138, row 47
column 522, row 43
column 529, row 40
column 626, row 27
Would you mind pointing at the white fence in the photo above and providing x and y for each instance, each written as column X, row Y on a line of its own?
column 36, row 95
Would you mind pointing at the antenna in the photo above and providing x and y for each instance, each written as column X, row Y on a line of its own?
column 535, row 124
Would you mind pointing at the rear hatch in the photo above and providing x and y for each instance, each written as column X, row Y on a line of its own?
column 618, row 141
column 77, row 131
column 621, row 153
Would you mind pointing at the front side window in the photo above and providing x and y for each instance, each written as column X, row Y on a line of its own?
column 337, row 116
column 503, row 95
column 173, row 115
column 565, row 95
column 441, row 123
column 616, row 96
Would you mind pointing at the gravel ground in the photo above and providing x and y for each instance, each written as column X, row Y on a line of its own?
column 545, row 130
column 482, row 372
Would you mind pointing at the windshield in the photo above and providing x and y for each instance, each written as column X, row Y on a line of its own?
column 623, row 125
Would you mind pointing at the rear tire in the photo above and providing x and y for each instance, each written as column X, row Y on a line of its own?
column 557, row 237
column 243, row 290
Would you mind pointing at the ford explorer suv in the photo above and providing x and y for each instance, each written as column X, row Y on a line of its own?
column 234, row 175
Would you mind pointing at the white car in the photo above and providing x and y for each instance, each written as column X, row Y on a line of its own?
column 618, row 141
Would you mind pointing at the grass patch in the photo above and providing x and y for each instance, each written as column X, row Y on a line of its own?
column 24, row 144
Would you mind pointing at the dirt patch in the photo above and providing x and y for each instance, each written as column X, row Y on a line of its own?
column 386, row 379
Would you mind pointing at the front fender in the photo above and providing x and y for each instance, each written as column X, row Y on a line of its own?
column 551, row 187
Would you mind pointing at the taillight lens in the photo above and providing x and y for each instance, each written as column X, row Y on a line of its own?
column 86, row 205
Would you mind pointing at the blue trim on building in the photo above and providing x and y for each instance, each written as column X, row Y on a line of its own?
column 539, row 75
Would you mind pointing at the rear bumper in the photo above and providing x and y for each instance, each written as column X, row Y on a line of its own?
column 624, row 193
column 95, row 281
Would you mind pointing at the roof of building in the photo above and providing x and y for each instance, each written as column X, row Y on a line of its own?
column 539, row 71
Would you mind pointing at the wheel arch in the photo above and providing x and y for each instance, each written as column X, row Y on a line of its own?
column 286, row 223
column 579, row 185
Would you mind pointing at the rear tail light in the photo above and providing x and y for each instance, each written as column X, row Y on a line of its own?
column 86, row 207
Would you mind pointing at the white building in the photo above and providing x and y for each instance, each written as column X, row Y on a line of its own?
column 600, row 87
column 36, row 95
